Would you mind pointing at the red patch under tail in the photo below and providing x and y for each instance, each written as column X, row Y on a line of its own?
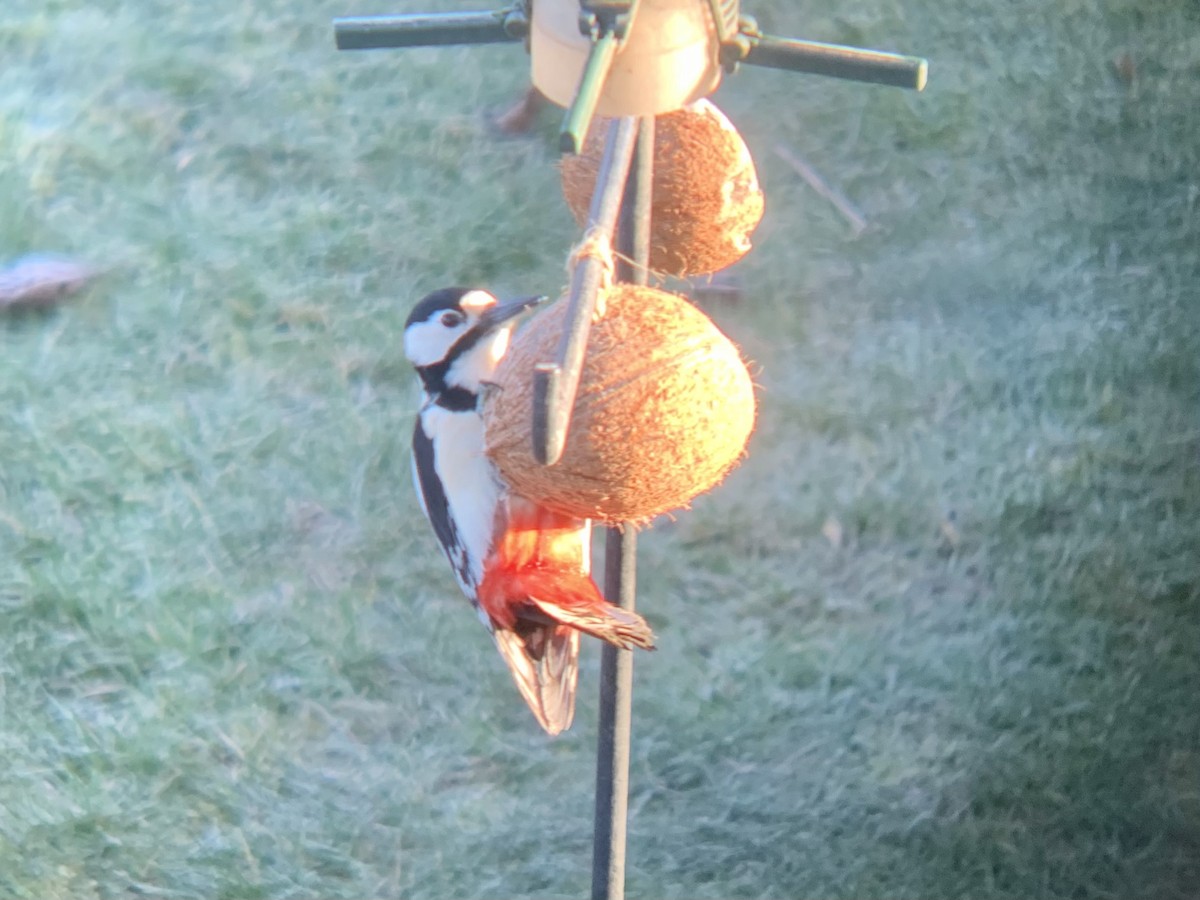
column 538, row 592
column 539, row 571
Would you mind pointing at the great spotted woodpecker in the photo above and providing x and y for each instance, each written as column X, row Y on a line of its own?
column 525, row 569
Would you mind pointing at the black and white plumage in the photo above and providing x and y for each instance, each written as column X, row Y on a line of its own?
column 455, row 338
column 525, row 569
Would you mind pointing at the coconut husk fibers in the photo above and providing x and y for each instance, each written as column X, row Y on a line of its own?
column 664, row 409
column 706, row 200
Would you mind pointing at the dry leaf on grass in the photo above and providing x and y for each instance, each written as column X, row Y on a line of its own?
column 39, row 281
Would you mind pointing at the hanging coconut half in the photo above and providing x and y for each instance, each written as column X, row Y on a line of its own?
column 664, row 409
column 706, row 200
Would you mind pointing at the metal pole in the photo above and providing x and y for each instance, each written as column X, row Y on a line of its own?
column 427, row 30
column 620, row 580
column 555, row 383
column 837, row 61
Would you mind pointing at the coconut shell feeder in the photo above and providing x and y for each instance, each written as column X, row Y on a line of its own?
column 621, row 402
column 705, row 201
column 656, row 367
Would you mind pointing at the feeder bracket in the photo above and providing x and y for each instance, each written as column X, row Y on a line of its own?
column 599, row 17
column 606, row 23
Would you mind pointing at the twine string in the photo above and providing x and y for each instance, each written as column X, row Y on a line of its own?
column 596, row 244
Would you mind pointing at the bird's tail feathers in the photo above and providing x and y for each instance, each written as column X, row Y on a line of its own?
column 552, row 595
column 590, row 613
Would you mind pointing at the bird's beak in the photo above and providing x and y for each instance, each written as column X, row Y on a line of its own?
column 495, row 316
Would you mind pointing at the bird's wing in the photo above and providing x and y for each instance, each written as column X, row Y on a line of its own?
column 434, row 503
column 544, row 662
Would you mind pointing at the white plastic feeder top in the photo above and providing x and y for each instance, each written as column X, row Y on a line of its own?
column 668, row 59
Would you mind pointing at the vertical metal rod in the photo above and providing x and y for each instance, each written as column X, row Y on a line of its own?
column 620, row 581
column 633, row 226
column 616, row 714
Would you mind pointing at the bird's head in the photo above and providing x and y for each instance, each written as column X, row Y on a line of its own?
column 455, row 337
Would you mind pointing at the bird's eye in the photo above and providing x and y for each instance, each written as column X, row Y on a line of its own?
column 451, row 319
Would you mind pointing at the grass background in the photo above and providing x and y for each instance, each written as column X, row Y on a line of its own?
column 936, row 637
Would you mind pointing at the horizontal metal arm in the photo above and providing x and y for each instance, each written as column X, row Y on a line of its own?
column 837, row 61
column 428, row 29
column 750, row 46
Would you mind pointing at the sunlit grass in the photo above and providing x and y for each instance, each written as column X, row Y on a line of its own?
column 936, row 637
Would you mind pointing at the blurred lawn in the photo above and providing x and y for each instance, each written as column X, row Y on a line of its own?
column 937, row 637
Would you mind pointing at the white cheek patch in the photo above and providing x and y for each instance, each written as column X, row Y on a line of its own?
column 427, row 343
